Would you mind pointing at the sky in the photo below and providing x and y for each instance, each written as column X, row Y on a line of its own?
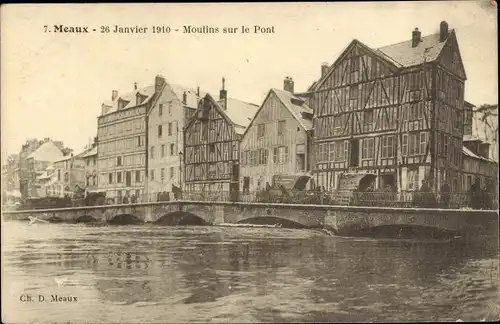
column 53, row 84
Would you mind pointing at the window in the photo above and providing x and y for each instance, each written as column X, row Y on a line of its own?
column 280, row 154
column 368, row 151
column 170, row 129
column 110, row 178
column 263, row 154
column 261, row 129
column 281, row 127
column 354, row 64
column 160, row 110
column 162, row 174
column 387, row 146
column 172, row 149
column 353, row 92
column 162, row 150
column 137, row 176
column 152, row 174
column 331, row 153
column 368, row 120
column 412, row 179
column 212, row 148
column 423, row 142
column 119, row 161
column 160, row 131
column 172, row 170
column 404, row 146
column 152, row 152
column 94, row 180
column 139, row 141
column 118, row 177
column 59, row 175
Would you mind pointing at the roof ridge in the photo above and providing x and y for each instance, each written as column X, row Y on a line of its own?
column 405, row 41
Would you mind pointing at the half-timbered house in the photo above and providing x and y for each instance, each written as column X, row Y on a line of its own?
column 395, row 111
column 277, row 141
column 211, row 143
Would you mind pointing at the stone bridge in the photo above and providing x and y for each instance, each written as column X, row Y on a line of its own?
column 342, row 220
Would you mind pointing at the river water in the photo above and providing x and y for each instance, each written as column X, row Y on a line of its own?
column 153, row 274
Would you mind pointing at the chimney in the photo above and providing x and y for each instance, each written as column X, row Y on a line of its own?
column 288, row 84
column 184, row 98
column 114, row 94
column 198, row 91
column 324, row 68
column 223, row 92
column 415, row 38
column 159, row 82
column 443, row 31
column 135, row 85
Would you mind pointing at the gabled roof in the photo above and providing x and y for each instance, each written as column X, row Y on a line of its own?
column 48, row 151
column 399, row 55
column 405, row 55
column 130, row 97
column 296, row 110
column 237, row 112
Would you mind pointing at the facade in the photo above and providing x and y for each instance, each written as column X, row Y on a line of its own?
column 38, row 161
column 122, row 141
column 91, row 172
column 24, row 175
column 69, row 176
column 166, row 121
column 395, row 111
column 211, row 143
column 10, row 179
column 478, row 167
column 45, row 183
column 277, row 141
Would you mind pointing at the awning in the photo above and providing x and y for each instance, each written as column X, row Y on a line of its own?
column 352, row 181
column 291, row 181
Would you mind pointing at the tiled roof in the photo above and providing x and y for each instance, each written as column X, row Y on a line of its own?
column 240, row 113
column 404, row 55
column 191, row 97
column 148, row 92
column 468, row 152
column 48, row 151
column 91, row 152
column 296, row 110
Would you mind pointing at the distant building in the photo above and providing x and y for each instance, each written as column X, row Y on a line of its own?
column 211, row 143
column 89, row 158
column 10, row 179
column 395, row 112
column 69, row 176
column 277, row 141
column 166, row 121
column 45, row 183
column 24, row 175
column 122, row 141
column 37, row 162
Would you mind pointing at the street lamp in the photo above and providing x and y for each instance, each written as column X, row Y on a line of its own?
column 181, row 155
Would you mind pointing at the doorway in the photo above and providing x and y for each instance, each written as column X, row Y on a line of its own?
column 387, row 180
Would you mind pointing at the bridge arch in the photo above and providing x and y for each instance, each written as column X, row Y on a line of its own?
column 181, row 218
column 271, row 220
column 125, row 219
column 86, row 219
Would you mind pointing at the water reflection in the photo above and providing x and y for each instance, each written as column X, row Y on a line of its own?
column 239, row 275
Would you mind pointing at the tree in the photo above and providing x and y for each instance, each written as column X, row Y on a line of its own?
column 486, row 123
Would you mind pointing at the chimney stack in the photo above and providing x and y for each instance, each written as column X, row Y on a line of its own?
column 324, row 68
column 415, row 38
column 198, row 91
column 443, row 31
column 159, row 82
column 135, row 85
column 223, row 92
column 114, row 94
column 184, row 98
column 288, row 84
